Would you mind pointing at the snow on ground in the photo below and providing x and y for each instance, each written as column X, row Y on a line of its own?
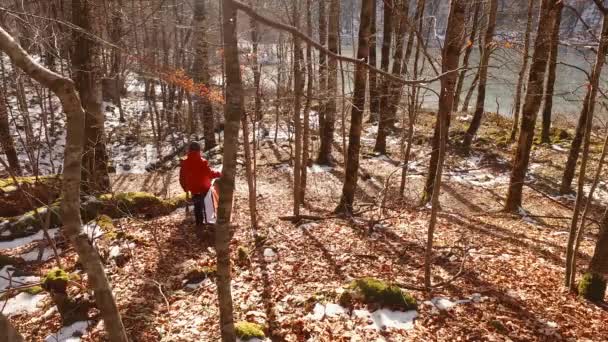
column 22, row 303
column 32, row 255
column 70, row 333
column 316, row 168
column 381, row 319
column 28, row 239
column 471, row 171
column 7, row 272
column 93, row 230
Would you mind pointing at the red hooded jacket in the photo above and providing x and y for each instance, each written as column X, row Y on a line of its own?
column 195, row 174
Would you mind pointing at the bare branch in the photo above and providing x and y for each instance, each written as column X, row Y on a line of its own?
column 294, row 31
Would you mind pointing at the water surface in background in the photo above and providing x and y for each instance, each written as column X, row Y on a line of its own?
column 570, row 87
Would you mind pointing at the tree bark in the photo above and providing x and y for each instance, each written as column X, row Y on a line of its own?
column 532, row 101
column 322, row 64
column 354, row 138
column 70, row 205
column 202, row 103
column 483, row 75
column 580, row 193
column 255, row 65
column 309, row 87
column 6, row 139
column 522, row 72
column 599, row 261
column 8, row 333
column 329, row 122
column 387, row 38
column 550, row 86
column 451, row 56
column 467, row 54
column 87, row 76
column 298, row 85
column 394, row 89
column 233, row 112
column 374, row 98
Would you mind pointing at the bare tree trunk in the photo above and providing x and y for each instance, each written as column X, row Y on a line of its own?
column 329, row 122
column 322, row 64
column 233, row 112
column 6, row 139
column 255, row 65
column 374, row 98
column 483, row 75
column 599, row 261
column 87, row 75
column 451, row 54
column 532, row 101
column 469, row 95
column 354, row 138
column 298, row 85
column 309, row 86
column 8, row 333
column 202, row 102
column 394, row 89
column 522, row 72
column 467, row 54
column 580, row 193
column 387, row 38
column 418, row 19
column 580, row 231
column 550, row 86
column 249, row 172
column 70, row 204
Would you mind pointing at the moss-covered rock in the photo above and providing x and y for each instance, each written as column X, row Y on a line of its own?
column 56, row 280
column 247, row 330
column 30, row 222
column 49, row 179
column 134, row 203
column 378, row 292
column 196, row 275
column 242, row 255
column 592, row 287
column 16, row 203
column 178, row 201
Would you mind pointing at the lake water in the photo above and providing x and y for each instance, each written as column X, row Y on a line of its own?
column 504, row 69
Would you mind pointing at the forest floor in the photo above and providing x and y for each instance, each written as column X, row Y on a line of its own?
column 513, row 265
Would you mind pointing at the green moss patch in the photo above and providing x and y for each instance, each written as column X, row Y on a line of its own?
column 242, row 255
column 56, row 280
column 592, row 287
column 34, row 290
column 248, row 330
column 197, row 275
column 377, row 292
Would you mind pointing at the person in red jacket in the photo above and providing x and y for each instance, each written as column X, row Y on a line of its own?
column 195, row 176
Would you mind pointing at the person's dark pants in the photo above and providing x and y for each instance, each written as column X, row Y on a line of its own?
column 199, row 208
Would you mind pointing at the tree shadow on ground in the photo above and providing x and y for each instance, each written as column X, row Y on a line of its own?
column 178, row 236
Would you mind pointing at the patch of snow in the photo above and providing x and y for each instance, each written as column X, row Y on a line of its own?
column 388, row 319
column 334, row 310
column 7, row 273
column 308, row 226
column 27, row 240
column 318, row 312
column 32, row 255
column 70, row 333
column 194, row 286
column 559, row 148
column 316, row 168
column 21, row 303
column 269, row 253
column 93, row 230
